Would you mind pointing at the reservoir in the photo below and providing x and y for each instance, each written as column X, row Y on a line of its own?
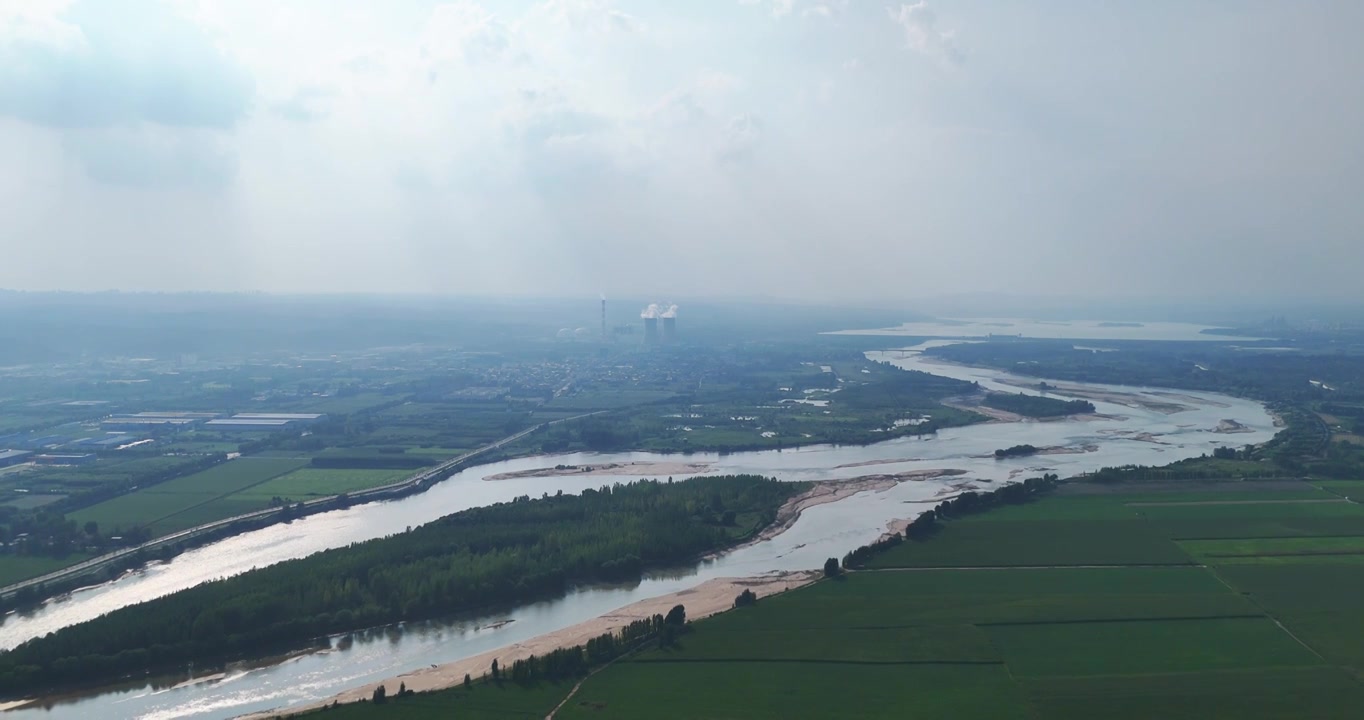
column 1147, row 426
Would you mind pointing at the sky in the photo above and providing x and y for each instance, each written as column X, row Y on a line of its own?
column 821, row 150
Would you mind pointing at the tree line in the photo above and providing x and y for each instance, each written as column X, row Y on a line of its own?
column 967, row 503
column 1037, row 406
column 497, row 555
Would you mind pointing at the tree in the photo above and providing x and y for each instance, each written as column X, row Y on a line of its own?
column 468, row 681
column 745, row 599
column 831, row 568
column 402, row 689
column 495, row 672
column 677, row 617
column 91, row 528
column 380, row 695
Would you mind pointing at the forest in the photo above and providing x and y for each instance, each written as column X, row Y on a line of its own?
column 1036, row 406
column 480, row 558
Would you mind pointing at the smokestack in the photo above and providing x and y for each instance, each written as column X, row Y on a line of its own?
column 603, row 318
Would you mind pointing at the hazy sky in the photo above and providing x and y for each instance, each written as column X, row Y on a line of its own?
column 835, row 149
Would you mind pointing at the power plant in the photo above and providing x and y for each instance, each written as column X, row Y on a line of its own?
column 652, row 315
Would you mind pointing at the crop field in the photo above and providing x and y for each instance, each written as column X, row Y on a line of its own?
column 605, row 399
column 14, row 568
column 164, row 507
column 484, row 701
column 1271, row 694
column 1276, row 550
column 1148, row 646
column 1024, row 543
column 995, row 616
column 733, row 641
column 777, row 690
column 308, row 483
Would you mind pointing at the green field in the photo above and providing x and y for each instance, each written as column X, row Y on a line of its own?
column 1065, row 542
column 779, row 691
column 1142, row 647
column 170, row 506
column 1272, row 694
column 484, row 701
column 14, row 568
column 994, row 617
column 309, row 483
column 1277, row 550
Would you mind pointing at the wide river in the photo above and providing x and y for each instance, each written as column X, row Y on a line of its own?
column 1146, row 431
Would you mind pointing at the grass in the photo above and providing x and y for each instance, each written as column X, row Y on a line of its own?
column 166, row 507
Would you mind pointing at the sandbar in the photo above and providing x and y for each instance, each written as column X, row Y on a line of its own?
column 635, row 469
column 704, row 600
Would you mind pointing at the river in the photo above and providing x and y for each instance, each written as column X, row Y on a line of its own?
column 1140, row 427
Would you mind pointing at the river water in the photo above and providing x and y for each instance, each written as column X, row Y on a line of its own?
column 1140, row 429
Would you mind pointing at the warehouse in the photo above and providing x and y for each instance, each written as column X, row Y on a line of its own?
column 13, row 457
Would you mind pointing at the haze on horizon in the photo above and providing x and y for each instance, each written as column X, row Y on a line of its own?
column 814, row 149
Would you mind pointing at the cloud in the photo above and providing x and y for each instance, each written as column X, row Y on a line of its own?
column 98, row 64
column 307, row 104
column 743, row 134
column 148, row 159
column 465, row 31
column 920, row 26
column 307, row 142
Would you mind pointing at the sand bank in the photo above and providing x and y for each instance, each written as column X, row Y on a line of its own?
column 634, row 469
column 829, row 491
column 706, row 599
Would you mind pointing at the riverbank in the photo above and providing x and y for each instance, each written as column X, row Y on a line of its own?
column 830, row 491
column 708, row 598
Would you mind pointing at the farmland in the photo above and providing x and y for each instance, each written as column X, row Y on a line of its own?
column 169, row 506
column 996, row 615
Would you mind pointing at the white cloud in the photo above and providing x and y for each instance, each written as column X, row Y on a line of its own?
column 920, row 26
column 540, row 147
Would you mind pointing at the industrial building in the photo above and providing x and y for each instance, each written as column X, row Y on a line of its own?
column 652, row 315
column 13, row 457
column 156, row 420
column 110, row 442
column 262, row 421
